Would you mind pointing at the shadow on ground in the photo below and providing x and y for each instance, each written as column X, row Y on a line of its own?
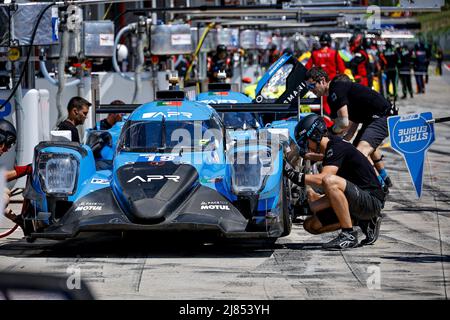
column 99, row 245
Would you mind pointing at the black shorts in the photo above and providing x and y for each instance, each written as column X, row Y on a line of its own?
column 373, row 133
column 362, row 206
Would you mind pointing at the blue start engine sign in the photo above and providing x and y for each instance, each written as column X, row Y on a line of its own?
column 411, row 135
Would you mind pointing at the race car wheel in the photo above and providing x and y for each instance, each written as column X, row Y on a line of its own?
column 286, row 216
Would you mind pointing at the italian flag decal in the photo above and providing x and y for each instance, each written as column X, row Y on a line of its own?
column 169, row 103
column 223, row 93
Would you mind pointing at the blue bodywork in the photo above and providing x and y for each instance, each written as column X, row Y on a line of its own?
column 170, row 166
column 235, row 120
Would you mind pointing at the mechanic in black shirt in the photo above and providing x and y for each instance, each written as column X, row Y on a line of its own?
column 112, row 118
column 352, row 104
column 77, row 110
column 389, row 61
column 351, row 189
column 404, row 68
column 220, row 62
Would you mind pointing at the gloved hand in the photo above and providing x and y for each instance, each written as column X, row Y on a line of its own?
column 296, row 177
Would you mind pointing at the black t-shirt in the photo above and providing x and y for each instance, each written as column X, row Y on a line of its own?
column 353, row 165
column 362, row 102
column 104, row 125
column 67, row 125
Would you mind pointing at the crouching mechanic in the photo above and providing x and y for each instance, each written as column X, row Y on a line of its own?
column 352, row 194
column 353, row 104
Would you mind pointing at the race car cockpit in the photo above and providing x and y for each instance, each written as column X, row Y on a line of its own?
column 166, row 136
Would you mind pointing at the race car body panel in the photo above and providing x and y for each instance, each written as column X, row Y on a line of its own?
column 170, row 170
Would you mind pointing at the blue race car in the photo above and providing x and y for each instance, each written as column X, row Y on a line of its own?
column 173, row 167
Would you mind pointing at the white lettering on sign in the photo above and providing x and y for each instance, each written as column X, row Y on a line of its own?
column 106, row 39
column 181, row 39
column 413, row 134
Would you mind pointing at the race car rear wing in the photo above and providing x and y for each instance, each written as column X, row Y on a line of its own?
column 224, row 107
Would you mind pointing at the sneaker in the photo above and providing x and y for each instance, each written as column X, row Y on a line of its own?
column 343, row 241
column 371, row 229
column 388, row 182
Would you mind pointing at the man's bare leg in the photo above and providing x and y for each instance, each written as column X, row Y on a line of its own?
column 334, row 188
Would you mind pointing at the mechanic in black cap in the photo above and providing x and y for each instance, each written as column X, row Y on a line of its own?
column 8, row 137
column 352, row 104
column 352, row 193
column 219, row 62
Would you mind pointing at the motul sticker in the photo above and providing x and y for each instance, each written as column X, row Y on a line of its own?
column 214, row 205
column 89, row 206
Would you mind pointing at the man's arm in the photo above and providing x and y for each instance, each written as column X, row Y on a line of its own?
column 353, row 126
column 18, row 172
column 341, row 123
column 316, row 179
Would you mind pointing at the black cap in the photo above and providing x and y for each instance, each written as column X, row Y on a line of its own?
column 221, row 48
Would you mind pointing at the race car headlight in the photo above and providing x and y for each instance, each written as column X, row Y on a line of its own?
column 58, row 173
column 248, row 173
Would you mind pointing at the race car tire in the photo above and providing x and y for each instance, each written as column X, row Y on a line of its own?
column 286, row 216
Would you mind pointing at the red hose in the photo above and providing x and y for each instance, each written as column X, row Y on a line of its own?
column 7, row 233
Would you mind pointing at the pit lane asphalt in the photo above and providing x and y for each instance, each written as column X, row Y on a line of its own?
column 412, row 253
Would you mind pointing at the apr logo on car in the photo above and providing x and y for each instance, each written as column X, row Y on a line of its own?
column 155, row 177
column 169, row 114
column 219, row 101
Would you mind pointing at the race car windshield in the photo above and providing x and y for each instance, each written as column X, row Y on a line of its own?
column 164, row 136
column 242, row 120
column 276, row 86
